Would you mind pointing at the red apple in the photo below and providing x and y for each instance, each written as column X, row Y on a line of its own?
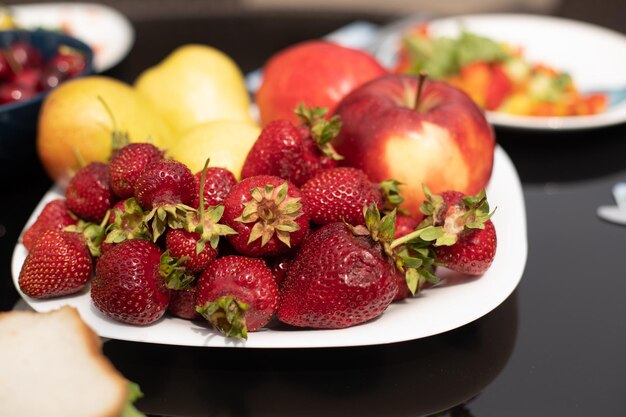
column 445, row 143
column 317, row 73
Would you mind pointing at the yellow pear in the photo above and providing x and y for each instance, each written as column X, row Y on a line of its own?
column 195, row 84
column 74, row 122
column 225, row 142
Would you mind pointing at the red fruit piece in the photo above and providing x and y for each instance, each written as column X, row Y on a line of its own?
column 294, row 153
column 58, row 264
column 499, row 88
column 166, row 189
column 183, row 303
column 217, row 184
column 54, row 215
column 25, row 55
column 89, row 193
column 237, row 295
column 165, row 182
column 128, row 163
column 473, row 253
column 468, row 240
column 337, row 279
column 339, row 194
column 183, row 244
column 129, row 285
column 267, row 215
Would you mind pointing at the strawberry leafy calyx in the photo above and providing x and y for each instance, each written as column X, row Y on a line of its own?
column 413, row 256
column 453, row 220
column 205, row 221
column 173, row 272
column 206, row 224
column 273, row 212
column 228, row 315
column 128, row 223
column 93, row 233
column 323, row 130
column 173, row 216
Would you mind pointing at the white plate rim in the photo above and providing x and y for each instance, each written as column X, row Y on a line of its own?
column 452, row 306
column 389, row 37
column 35, row 14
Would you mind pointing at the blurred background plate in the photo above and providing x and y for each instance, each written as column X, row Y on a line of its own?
column 594, row 56
column 108, row 32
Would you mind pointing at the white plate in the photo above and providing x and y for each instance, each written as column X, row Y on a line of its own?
column 107, row 31
column 437, row 310
column 594, row 56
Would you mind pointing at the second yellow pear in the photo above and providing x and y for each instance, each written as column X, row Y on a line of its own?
column 196, row 84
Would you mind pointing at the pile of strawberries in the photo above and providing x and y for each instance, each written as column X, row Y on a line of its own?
column 300, row 237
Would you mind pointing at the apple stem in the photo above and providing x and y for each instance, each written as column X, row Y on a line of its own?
column 420, row 87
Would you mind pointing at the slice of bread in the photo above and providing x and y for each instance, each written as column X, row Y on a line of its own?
column 52, row 365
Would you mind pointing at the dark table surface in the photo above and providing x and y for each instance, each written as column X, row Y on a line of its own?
column 555, row 347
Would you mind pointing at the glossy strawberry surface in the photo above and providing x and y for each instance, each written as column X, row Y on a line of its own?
column 165, row 182
column 128, row 163
column 218, row 183
column 54, row 215
column 89, row 194
column 128, row 286
column 247, row 280
column 339, row 194
column 286, row 151
column 181, row 243
column 473, row 253
column 337, row 280
column 58, row 264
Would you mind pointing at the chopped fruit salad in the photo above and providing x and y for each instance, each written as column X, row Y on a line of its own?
column 496, row 75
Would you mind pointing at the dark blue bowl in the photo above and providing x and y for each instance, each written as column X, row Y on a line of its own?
column 18, row 121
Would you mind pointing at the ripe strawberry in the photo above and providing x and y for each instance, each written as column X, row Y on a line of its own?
column 266, row 213
column 89, row 193
column 58, row 264
column 337, row 279
column 183, row 244
column 54, row 215
column 165, row 183
column 183, row 303
column 468, row 241
column 339, row 194
column 294, row 153
column 128, row 163
column 473, row 252
column 237, row 294
column 133, row 282
column 165, row 189
column 218, row 183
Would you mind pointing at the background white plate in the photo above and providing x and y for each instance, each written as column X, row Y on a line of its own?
column 108, row 32
column 437, row 310
column 594, row 56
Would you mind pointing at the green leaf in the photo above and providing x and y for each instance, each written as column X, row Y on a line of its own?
column 134, row 393
column 412, row 279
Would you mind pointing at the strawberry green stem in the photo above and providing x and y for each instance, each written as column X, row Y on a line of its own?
column 202, row 183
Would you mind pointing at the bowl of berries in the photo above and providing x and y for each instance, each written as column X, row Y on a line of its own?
column 32, row 63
